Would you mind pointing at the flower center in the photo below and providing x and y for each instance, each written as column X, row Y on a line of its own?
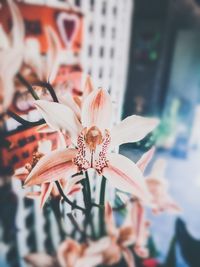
column 93, row 138
column 92, row 149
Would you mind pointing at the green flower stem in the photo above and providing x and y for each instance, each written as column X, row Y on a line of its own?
column 102, row 207
column 87, row 182
column 86, row 198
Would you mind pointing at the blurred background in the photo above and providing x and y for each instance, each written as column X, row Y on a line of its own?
column 146, row 53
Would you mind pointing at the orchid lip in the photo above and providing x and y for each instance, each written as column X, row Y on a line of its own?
column 92, row 149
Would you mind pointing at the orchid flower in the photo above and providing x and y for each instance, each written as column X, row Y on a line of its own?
column 72, row 254
column 75, row 102
column 158, row 185
column 133, row 232
column 45, row 68
column 70, row 187
column 93, row 138
column 141, row 225
column 106, row 251
column 11, row 57
column 121, row 239
column 40, row 260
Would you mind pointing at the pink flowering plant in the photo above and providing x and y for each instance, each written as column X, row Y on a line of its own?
column 86, row 141
column 84, row 161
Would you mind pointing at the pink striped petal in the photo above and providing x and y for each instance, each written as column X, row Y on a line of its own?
column 132, row 129
column 46, row 189
column 141, row 227
column 53, row 167
column 59, row 117
column 72, row 185
column 145, row 159
column 126, row 176
column 129, row 258
column 97, row 110
column 88, row 87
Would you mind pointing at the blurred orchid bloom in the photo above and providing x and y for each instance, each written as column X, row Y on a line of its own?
column 162, row 201
column 75, row 102
column 40, row 260
column 134, row 231
column 141, row 225
column 158, row 185
column 70, row 186
column 11, row 56
column 121, row 239
column 93, row 138
column 45, row 67
column 72, row 254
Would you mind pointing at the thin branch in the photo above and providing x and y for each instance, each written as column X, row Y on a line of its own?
column 28, row 86
column 23, row 121
column 76, row 225
column 50, row 89
column 66, row 199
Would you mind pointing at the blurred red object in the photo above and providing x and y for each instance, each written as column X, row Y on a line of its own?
column 151, row 262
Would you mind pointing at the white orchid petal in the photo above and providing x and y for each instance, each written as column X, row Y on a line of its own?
column 54, row 47
column 45, row 147
column 97, row 110
column 52, row 167
column 39, row 260
column 129, row 258
column 59, row 117
column 98, row 246
column 90, row 261
column 68, row 100
column 5, row 42
column 159, row 168
column 11, row 58
column 18, row 30
column 126, row 176
column 132, row 129
column 72, row 182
